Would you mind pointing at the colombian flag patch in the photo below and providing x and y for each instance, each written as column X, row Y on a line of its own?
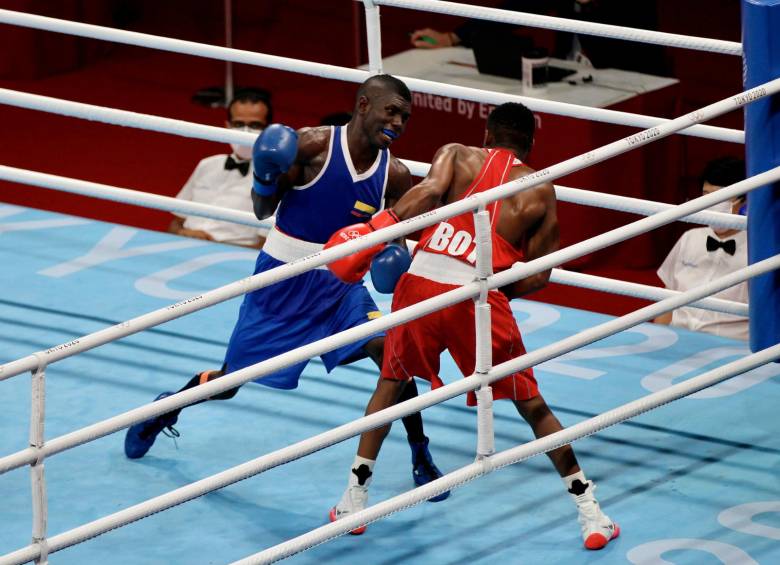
column 361, row 209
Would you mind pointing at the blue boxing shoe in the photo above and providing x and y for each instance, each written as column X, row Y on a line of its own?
column 424, row 470
column 140, row 437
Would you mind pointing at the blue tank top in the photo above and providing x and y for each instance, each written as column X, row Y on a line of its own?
column 337, row 197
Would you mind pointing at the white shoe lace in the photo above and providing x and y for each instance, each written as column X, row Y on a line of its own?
column 355, row 498
column 591, row 518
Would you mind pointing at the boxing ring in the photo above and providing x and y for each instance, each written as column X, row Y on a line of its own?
column 41, row 449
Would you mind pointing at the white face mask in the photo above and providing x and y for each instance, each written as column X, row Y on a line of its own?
column 723, row 207
column 244, row 151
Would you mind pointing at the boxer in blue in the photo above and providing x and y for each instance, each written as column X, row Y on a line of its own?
column 318, row 180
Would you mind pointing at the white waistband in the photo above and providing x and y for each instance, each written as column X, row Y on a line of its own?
column 442, row 268
column 283, row 247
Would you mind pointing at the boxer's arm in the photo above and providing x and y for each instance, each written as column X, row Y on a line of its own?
column 421, row 198
column 427, row 194
column 399, row 182
column 541, row 238
column 395, row 260
column 309, row 146
column 264, row 206
column 351, row 268
column 273, row 153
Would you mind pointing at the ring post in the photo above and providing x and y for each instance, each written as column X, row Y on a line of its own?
column 760, row 25
column 373, row 37
column 484, row 334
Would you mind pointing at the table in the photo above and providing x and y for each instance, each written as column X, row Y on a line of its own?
column 456, row 65
column 650, row 172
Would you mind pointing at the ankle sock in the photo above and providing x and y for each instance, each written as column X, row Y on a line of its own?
column 576, row 483
column 361, row 472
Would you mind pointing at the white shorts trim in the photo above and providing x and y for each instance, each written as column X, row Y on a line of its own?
column 442, row 268
column 287, row 249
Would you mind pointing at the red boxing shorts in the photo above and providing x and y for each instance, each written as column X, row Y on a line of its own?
column 413, row 349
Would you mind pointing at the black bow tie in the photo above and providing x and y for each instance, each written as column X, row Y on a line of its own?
column 242, row 166
column 729, row 246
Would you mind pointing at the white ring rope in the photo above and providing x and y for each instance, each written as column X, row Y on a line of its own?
column 513, row 455
column 501, row 279
column 619, row 203
column 181, row 46
column 351, row 429
column 645, row 207
column 223, row 135
column 573, row 26
column 569, row 110
column 126, row 118
column 212, row 133
column 129, row 196
column 159, row 202
column 471, row 203
column 243, row 376
column 604, row 284
column 346, row 74
column 592, row 335
column 549, row 174
column 166, row 203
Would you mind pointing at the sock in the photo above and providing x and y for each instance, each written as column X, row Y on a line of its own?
column 576, row 483
column 413, row 423
column 193, row 382
column 414, row 433
column 204, row 377
column 361, row 472
column 415, row 442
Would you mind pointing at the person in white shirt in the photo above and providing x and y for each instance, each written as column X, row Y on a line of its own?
column 704, row 254
column 226, row 180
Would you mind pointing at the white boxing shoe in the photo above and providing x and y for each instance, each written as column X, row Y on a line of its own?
column 597, row 528
column 354, row 499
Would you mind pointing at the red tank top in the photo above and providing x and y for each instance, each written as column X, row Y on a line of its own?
column 455, row 237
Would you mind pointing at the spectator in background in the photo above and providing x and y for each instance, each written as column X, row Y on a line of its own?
column 599, row 52
column 226, row 180
column 704, row 254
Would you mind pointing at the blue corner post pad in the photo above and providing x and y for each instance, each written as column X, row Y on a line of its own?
column 760, row 25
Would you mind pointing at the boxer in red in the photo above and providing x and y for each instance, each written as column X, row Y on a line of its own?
column 524, row 227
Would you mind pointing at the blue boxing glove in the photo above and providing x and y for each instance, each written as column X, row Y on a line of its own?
column 388, row 266
column 273, row 154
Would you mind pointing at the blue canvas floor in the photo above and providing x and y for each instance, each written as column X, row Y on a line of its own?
column 696, row 482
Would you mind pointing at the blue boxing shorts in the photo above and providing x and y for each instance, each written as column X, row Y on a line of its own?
column 296, row 312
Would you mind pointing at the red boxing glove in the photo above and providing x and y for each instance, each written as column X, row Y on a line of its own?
column 353, row 267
